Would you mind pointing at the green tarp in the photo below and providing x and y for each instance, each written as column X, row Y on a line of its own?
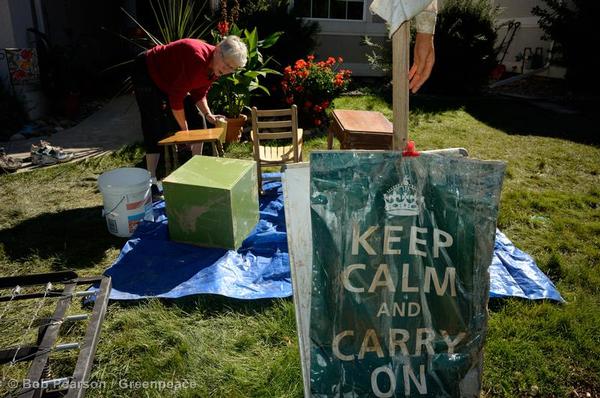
column 401, row 250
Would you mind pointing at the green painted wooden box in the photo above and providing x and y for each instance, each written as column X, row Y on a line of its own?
column 212, row 201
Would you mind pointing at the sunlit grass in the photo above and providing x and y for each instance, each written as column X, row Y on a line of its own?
column 50, row 219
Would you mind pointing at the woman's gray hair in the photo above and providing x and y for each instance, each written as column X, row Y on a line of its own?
column 234, row 51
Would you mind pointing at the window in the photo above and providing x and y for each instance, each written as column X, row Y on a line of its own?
column 331, row 9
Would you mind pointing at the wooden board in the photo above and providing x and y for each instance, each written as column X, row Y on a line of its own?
column 363, row 121
column 400, row 51
column 360, row 130
column 193, row 136
column 296, row 188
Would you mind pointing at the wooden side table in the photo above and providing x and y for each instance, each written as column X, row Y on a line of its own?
column 214, row 136
column 360, row 130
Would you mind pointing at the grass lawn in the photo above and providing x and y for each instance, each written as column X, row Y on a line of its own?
column 50, row 219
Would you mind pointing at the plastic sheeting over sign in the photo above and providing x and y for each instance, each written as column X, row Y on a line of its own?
column 401, row 251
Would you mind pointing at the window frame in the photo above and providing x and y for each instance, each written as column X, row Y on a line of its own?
column 364, row 13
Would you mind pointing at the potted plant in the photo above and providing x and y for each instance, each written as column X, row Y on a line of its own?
column 231, row 94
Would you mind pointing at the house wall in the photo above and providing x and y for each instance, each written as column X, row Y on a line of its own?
column 19, row 13
column 344, row 38
column 7, row 37
column 529, row 35
column 15, row 18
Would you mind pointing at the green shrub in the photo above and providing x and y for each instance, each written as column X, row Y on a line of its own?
column 270, row 16
column 571, row 24
column 465, row 46
column 299, row 39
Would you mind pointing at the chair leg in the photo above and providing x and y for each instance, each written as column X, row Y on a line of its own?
column 167, row 160
column 220, row 150
column 175, row 158
column 259, row 178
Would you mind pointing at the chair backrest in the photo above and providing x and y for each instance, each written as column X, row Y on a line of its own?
column 276, row 124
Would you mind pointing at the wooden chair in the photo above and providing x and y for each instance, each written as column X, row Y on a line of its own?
column 274, row 125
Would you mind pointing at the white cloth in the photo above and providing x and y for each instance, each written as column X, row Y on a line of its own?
column 395, row 12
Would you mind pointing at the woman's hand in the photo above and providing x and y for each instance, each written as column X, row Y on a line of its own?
column 423, row 60
column 214, row 118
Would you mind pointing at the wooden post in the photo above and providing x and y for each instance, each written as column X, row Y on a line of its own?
column 400, row 57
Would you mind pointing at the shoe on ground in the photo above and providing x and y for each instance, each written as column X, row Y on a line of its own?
column 46, row 154
column 8, row 164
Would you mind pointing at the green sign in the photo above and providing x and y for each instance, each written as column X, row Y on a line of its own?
column 401, row 250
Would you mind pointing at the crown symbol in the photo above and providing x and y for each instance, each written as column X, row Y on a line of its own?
column 402, row 200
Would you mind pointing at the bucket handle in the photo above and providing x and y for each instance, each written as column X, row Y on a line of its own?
column 105, row 213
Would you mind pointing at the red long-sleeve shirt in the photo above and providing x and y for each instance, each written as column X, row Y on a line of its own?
column 181, row 67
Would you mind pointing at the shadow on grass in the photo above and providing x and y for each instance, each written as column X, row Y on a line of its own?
column 72, row 239
column 210, row 305
column 496, row 304
column 519, row 117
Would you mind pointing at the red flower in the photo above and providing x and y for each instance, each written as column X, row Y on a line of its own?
column 340, row 60
column 307, row 104
column 19, row 74
column 287, row 70
column 310, row 57
column 318, row 122
column 325, row 104
column 289, row 100
column 26, row 54
column 300, row 64
column 330, row 61
column 223, row 28
column 318, row 108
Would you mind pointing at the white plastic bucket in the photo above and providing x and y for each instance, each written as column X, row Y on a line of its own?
column 127, row 199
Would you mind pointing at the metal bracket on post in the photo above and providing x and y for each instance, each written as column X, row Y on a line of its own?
column 400, row 57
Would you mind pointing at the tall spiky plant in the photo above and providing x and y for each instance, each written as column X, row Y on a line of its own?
column 178, row 19
column 175, row 19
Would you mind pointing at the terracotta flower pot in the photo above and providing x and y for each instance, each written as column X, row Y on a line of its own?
column 234, row 128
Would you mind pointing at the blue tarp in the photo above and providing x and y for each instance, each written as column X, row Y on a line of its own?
column 150, row 265
column 513, row 273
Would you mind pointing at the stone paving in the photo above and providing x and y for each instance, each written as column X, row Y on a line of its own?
column 115, row 125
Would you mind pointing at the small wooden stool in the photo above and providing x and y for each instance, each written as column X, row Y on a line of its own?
column 214, row 136
column 360, row 130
